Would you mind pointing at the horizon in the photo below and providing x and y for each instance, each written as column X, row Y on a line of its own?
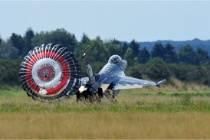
column 115, row 38
column 143, row 21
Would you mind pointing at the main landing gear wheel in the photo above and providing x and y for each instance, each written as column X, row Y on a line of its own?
column 50, row 72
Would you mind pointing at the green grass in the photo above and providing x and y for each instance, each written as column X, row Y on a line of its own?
column 173, row 93
column 18, row 101
column 140, row 115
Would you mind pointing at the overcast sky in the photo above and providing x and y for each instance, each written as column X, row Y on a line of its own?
column 122, row 20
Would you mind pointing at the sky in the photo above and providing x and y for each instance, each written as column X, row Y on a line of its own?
column 121, row 20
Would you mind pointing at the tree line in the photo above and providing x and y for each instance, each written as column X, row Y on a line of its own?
column 141, row 62
column 17, row 46
column 133, row 52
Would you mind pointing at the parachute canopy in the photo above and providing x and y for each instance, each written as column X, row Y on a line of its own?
column 50, row 72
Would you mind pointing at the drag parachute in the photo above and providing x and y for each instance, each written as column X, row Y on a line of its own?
column 50, row 72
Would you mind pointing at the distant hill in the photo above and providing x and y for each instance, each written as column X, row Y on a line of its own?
column 195, row 43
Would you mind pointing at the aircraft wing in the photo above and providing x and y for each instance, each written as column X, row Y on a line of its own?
column 126, row 82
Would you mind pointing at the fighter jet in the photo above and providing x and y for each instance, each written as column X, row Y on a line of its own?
column 51, row 72
column 110, row 78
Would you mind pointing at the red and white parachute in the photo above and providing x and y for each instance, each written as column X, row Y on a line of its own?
column 50, row 72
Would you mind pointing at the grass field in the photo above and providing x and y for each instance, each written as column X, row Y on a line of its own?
column 137, row 114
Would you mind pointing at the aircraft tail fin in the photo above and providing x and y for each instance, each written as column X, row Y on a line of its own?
column 160, row 82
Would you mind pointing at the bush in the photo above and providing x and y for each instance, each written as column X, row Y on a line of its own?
column 9, row 70
column 156, row 69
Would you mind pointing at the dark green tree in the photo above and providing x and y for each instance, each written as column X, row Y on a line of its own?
column 28, row 41
column 98, row 51
column 18, row 42
column 186, row 54
column 7, row 51
column 157, row 69
column 135, row 48
column 169, row 54
column 129, row 57
column 0, row 40
column 144, row 55
column 59, row 36
column 95, row 50
column 115, row 41
column 85, row 38
column 201, row 57
column 124, row 49
column 112, row 47
column 158, row 50
column 9, row 72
